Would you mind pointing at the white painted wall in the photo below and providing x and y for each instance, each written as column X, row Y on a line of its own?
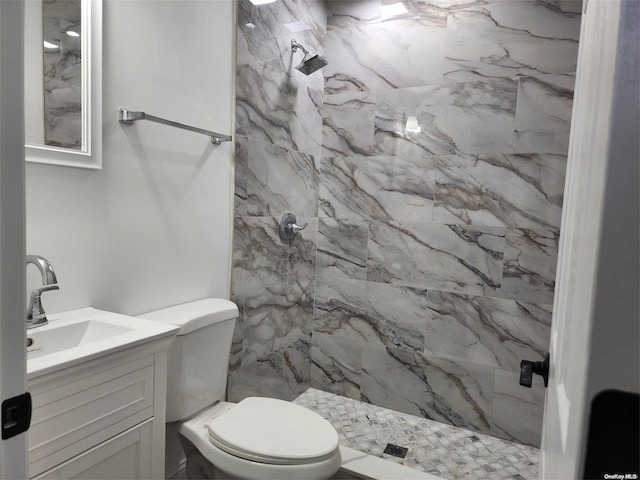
column 153, row 227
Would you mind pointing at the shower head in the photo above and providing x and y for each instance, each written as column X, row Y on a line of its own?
column 308, row 65
column 311, row 65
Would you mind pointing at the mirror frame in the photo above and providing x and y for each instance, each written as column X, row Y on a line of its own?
column 91, row 155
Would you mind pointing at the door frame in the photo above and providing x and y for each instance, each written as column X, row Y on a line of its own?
column 594, row 331
column 13, row 451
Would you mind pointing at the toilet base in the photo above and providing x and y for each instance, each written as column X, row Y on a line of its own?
column 199, row 468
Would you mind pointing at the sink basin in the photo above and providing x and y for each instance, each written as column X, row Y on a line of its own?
column 80, row 335
column 57, row 338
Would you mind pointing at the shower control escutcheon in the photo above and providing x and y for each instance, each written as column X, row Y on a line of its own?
column 289, row 227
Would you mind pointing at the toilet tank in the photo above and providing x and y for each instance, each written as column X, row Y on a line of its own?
column 198, row 359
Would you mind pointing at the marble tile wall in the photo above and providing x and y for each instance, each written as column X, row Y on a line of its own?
column 428, row 267
column 278, row 161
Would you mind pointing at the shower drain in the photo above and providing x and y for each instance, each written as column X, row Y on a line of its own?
column 395, row 450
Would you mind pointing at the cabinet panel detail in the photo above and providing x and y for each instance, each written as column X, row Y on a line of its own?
column 85, row 408
column 124, row 457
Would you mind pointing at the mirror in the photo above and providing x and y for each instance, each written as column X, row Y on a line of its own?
column 63, row 71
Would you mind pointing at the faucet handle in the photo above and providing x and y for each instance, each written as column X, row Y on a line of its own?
column 45, row 288
column 36, row 315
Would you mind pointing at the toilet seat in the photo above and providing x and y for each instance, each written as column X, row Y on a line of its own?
column 313, row 466
column 272, row 431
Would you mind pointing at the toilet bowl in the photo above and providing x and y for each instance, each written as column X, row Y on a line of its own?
column 257, row 438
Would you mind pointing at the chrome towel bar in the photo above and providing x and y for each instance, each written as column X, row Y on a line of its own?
column 128, row 117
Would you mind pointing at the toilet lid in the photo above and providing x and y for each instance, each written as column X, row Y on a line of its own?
column 273, row 431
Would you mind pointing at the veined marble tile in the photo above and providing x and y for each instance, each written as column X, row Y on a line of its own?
column 273, row 107
column 571, row 6
column 348, row 13
column 411, row 190
column 265, row 32
column 512, row 38
column 473, row 117
column 486, row 331
column 242, row 174
column 530, row 259
column 302, row 254
column 382, row 188
column 335, row 365
column 237, row 346
column 275, row 317
column 443, row 257
column 510, row 190
column 296, row 367
column 383, row 56
column 259, row 257
column 543, row 114
column 342, row 248
column 261, row 378
column 348, row 124
column 379, row 314
column 517, row 410
column 456, row 393
column 281, row 180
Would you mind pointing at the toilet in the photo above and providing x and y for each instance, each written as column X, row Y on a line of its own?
column 257, row 438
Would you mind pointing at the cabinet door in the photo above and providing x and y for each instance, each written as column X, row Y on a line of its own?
column 74, row 413
column 124, row 457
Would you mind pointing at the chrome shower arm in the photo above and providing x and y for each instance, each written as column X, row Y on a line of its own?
column 295, row 46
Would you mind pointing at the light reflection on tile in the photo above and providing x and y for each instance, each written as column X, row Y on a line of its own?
column 474, row 117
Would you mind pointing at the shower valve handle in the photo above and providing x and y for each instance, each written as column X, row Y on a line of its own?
column 296, row 228
column 289, row 228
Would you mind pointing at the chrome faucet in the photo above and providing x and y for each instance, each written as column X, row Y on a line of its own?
column 36, row 316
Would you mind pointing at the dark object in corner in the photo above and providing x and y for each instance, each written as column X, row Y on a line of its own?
column 613, row 444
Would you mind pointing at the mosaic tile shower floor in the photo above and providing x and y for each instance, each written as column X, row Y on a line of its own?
column 439, row 449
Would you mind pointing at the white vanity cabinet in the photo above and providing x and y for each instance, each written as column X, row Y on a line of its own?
column 103, row 418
